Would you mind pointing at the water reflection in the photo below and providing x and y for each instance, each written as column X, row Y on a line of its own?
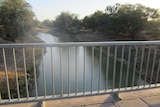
column 70, row 68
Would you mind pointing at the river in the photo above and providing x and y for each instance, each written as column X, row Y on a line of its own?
column 96, row 77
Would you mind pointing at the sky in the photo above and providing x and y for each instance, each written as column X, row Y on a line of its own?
column 50, row 9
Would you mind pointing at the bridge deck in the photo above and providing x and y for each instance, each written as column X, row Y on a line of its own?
column 140, row 98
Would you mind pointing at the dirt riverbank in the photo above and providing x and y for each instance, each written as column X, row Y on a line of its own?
column 81, row 36
column 18, row 73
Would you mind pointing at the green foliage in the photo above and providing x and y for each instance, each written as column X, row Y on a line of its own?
column 15, row 18
column 153, row 27
column 47, row 23
column 126, row 19
column 112, row 9
column 36, row 23
column 66, row 21
column 96, row 21
column 131, row 19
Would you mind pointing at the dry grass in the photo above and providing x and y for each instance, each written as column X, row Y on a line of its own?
column 11, row 74
column 40, row 29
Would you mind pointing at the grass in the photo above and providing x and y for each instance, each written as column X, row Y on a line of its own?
column 11, row 74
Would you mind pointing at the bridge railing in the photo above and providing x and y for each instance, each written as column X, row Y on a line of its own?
column 76, row 69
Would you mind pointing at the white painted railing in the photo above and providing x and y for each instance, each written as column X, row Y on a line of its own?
column 126, row 65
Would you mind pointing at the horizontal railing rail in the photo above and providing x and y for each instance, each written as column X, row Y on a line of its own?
column 66, row 44
column 39, row 71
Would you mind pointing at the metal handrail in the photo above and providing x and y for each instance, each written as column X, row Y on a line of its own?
column 132, row 60
column 66, row 44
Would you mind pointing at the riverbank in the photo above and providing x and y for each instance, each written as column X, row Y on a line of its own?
column 81, row 36
column 29, row 37
column 89, row 36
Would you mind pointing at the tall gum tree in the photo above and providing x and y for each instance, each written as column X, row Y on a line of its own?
column 16, row 17
column 66, row 21
column 130, row 19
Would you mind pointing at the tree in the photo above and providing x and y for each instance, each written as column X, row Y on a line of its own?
column 47, row 23
column 66, row 21
column 112, row 9
column 36, row 22
column 131, row 19
column 96, row 21
column 152, row 27
column 15, row 18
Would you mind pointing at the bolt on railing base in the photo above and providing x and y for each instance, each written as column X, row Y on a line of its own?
column 115, row 95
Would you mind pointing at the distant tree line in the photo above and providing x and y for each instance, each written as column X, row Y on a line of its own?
column 119, row 19
column 17, row 17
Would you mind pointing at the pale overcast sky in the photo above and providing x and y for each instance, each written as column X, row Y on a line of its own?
column 49, row 9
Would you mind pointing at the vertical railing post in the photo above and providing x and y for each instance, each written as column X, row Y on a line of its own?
column 134, row 68
column 68, row 71
column 0, row 97
column 44, row 74
column 52, row 68
column 107, row 67
column 114, row 67
column 76, row 57
column 147, row 67
column 121, row 69
column 35, row 72
column 128, row 67
column 61, row 74
column 25, row 71
column 15, row 66
column 84, row 73
column 158, row 70
column 153, row 64
column 92, row 69
column 100, row 68
column 141, row 66
column 6, row 74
